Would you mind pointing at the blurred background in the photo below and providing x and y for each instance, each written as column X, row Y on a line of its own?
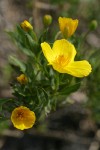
column 75, row 125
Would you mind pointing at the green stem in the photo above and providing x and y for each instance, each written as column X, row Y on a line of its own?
column 33, row 35
column 57, row 35
column 57, row 82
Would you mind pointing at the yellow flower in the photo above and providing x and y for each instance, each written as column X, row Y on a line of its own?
column 22, row 118
column 61, row 57
column 22, row 79
column 67, row 26
column 26, row 25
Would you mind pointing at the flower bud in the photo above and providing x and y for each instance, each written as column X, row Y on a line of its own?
column 22, row 79
column 26, row 25
column 93, row 25
column 47, row 20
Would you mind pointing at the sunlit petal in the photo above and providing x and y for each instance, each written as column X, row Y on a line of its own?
column 64, row 48
column 29, row 120
column 47, row 51
column 79, row 68
column 73, row 26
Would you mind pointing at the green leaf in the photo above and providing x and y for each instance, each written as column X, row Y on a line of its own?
column 69, row 89
column 25, row 50
column 4, row 123
column 11, row 33
column 20, row 30
column 31, row 42
column 17, row 62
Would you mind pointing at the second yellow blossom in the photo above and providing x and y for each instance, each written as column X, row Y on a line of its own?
column 67, row 26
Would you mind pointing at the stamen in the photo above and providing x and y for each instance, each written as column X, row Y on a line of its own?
column 62, row 60
column 20, row 115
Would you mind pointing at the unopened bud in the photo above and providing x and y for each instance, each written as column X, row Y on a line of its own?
column 93, row 25
column 26, row 25
column 22, row 79
column 47, row 20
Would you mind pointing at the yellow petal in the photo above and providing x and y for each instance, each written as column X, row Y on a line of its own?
column 29, row 120
column 58, row 68
column 79, row 68
column 20, row 126
column 73, row 26
column 64, row 48
column 62, row 23
column 47, row 51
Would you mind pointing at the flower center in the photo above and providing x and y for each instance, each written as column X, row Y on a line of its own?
column 61, row 60
column 20, row 115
